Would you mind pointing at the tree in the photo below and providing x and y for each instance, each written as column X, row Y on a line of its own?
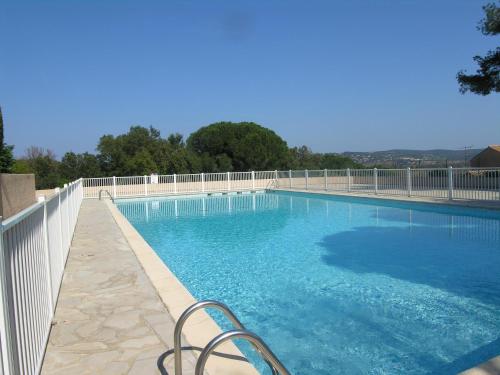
column 128, row 153
column 143, row 151
column 70, row 167
column 487, row 77
column 243, row 146
column 6, row 157
column 21, row 166
column 303, row 158
column 43, row 164
column 73, row 166
column 141, row 163
column 335, row 161
column 219, row 147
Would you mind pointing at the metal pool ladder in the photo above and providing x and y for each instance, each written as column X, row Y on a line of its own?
column 107, row 192
column 240, row 333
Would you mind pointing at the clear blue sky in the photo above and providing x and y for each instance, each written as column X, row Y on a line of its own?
column 341, row 75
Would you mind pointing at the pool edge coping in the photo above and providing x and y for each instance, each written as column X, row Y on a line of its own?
column 200, row 328
column 490, row 367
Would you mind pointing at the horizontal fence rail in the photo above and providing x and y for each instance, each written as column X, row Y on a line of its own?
column 34, row 247
column 439, row 183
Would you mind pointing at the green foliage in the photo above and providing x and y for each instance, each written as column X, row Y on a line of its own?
column 73, row 166
column 240, row 146
column 129, row 153
column 490, row 24
column 44, row 165
column 487, row 77
column 303, row 158
column 141, row 163
column 218, row 147
column 6, row 156
column 143, row 151
column 335, row 161
column 21, row 166
column 6, row 159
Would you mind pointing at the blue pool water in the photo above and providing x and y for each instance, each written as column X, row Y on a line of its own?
column 340, row 285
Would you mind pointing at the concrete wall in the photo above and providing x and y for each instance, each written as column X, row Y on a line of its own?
column 17, row 191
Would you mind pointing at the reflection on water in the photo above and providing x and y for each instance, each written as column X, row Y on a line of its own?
column 458, row 223
column 159, row 208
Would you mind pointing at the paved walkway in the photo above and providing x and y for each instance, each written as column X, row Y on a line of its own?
column 109, row 318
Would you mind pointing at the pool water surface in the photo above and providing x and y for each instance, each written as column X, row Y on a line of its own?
column 338, row 284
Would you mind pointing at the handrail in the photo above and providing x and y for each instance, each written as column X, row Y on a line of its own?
column 255, row 340
column 109, row 194
column 21, row 215
column 187, row 313
column 270, row 184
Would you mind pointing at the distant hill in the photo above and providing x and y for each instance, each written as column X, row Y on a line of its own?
column 414, row 158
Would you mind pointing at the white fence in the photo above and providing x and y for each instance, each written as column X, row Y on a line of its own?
column 133, row 186
column 440, row 183
column 444, row 183
column 34, row 246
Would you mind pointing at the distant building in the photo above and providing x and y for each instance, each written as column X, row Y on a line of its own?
column 489, row 157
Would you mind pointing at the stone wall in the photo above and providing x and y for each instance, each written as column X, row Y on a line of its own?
column 17, row 191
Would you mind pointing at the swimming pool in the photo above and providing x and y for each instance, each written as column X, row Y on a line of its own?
column 339, row 284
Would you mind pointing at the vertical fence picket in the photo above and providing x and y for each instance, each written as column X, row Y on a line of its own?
column 450, row 183
column 408, row 181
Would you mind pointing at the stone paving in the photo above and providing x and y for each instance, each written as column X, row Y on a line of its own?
column 109, row 318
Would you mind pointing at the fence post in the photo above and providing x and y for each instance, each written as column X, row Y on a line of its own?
column 45, row 231
column 275, row 178
column 80, row 186
column 326, row 179
column 68, row 206
column 203, row 182
column 306, row 172
column 450, row 182
column 146, row 186
column 349, row 179
column 6, row 315
column 114, row 187
column 375, row 180
column 228, row 181
column 408, row 180
column 498, row 182
column 290, row 177
column 175, row 183
column 253, row 180
column 59, row 213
